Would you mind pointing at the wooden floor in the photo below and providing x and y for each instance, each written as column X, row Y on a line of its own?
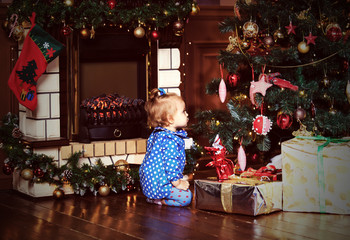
column 128, row 216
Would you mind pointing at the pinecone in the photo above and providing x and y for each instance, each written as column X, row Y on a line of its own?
column 16, row 133
column 67, row 174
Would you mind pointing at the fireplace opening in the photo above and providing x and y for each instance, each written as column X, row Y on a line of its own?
column 109, row 86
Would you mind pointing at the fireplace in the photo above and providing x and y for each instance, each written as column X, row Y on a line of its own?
column 113, row 68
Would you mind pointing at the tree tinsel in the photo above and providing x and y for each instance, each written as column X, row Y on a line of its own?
column 97, row 13
column 327, row 107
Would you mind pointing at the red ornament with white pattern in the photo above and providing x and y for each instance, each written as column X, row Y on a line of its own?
column 333, row 32
column 262, row 125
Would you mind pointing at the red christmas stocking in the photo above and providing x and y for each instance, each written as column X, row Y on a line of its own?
column 39, row 49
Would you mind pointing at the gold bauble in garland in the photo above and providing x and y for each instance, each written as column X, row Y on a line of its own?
column 245, row 44
column 303, row 47
column 27, row 174
column 122, row 165
column 104, row 190
column 139, row 32
column 58, row 193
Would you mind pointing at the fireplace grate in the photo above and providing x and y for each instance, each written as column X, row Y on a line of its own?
column 108, row 117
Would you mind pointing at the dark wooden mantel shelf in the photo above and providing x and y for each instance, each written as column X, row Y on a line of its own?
column 40, row 143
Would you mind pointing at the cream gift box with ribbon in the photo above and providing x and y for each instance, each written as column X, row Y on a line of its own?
column 316, row 175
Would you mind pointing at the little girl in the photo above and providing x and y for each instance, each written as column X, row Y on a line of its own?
column 161, row 169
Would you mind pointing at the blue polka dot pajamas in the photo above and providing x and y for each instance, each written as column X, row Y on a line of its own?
column 164, row 163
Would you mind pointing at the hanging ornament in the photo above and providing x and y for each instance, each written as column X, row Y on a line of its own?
column 58, row 193
column 258, row 87
column 303, row 47
column 222, row 86
column 242, row 158
column 232, row 79
column 310, row 39
column 333, row 32
column 111, row 3
column 155, row 35
column 234, row 43
column 313, row 109
column 284, row 121
column 139, row 32
column 195, row 9
column 325, row 81
column 268, row 41
column 18, row 33
column 66, row 30
column 262, row 125
column 290, row 28
column 84, row 33
column 250, row 29
column 122, row 165
column 278, row 35
column 92, row 33
column 178, row 28
column 347, row 91
column 332, row 110
column 27, row 174
column 244, row 44
column 68, row 3
column 38, row 172
column 300, row 114
column 222, row 90
column 7, row 169
column 104, row 190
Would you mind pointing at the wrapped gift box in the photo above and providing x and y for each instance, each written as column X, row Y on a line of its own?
column 241, row 196
column 313, row 183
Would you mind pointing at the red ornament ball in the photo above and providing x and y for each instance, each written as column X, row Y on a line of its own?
column 232, row 79
column 7, row 169
column 66, row 30
column 300, row 114
column 284, row 121
column 261, row 125
column 155, row 35
column 38, row 172
column 333, row 32
column 111, row 4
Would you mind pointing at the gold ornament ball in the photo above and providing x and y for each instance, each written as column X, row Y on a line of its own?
column 245, row 44
column 68, row 3
column 325, row 82
column 332, row 110
column 195, row 9
column 139, row 32
column 104, row 190
column 84, row 33
column 121, row 165
column 58, row 193
column 303, row 47
column 18, row 33
column 27, row 174
column 278, row 35
column 250, row 29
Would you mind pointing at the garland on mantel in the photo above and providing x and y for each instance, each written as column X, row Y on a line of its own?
column 97, row 178
column 128, row 14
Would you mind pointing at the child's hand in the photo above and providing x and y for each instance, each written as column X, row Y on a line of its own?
column 181, row 184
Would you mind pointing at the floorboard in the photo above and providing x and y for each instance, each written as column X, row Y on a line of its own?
column 128, row 216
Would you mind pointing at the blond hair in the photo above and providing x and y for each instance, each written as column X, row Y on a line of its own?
column 161, row 107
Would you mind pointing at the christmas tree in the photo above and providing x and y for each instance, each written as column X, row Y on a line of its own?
column 287, row 72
